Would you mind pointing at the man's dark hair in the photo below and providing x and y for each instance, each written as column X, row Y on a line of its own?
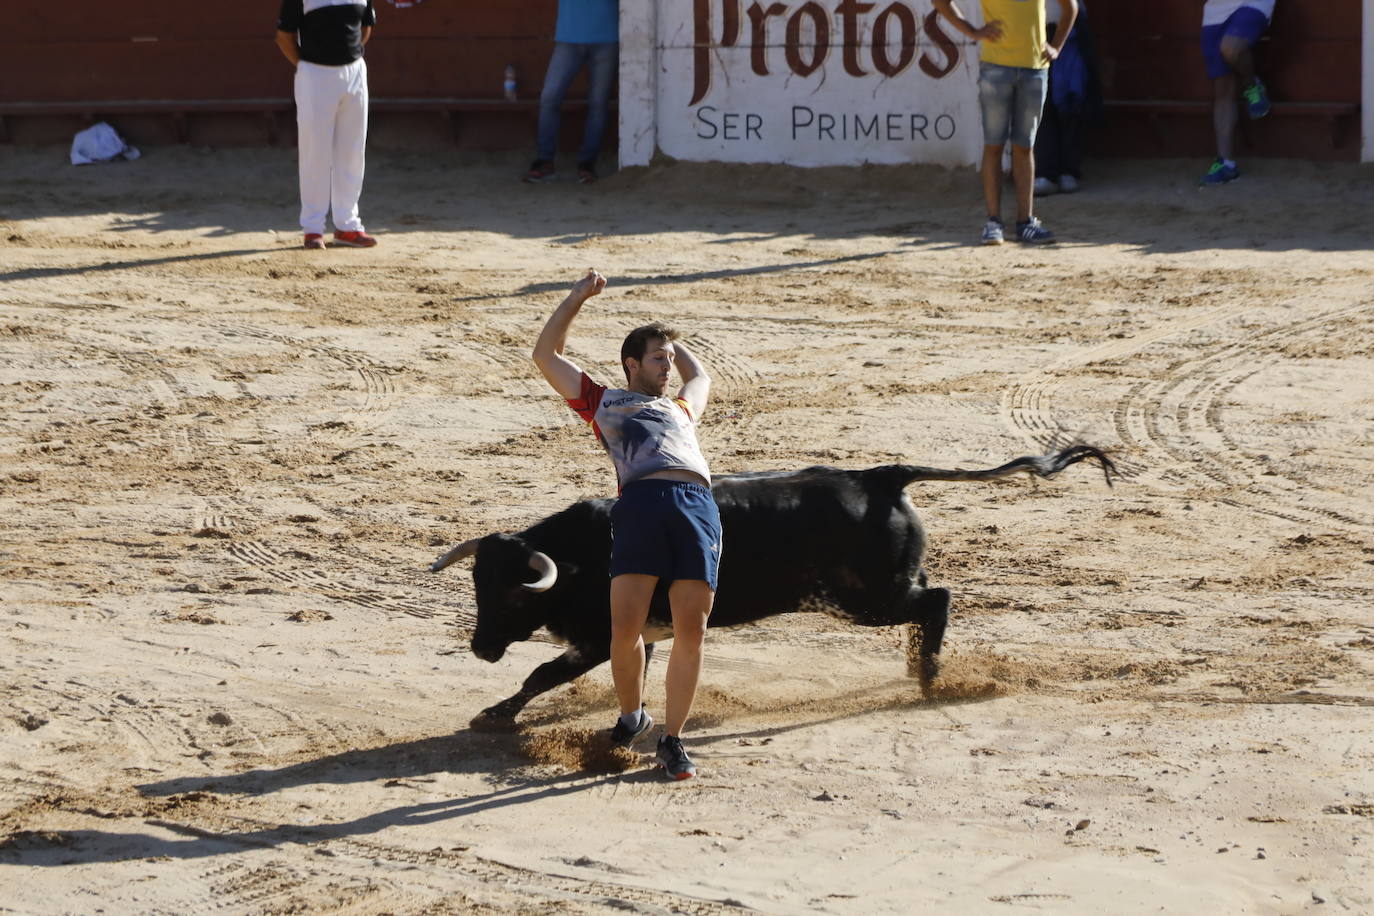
column 637, row 341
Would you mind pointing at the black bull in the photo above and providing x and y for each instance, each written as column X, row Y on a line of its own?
column 847, row 540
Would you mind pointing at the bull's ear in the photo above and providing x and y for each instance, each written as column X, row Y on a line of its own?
column 461, row 552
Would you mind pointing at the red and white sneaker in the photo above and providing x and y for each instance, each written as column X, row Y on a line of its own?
column 354, row 239
column 314, row 240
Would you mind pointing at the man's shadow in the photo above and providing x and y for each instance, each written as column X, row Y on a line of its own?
column 43, row 273
column 83, row 847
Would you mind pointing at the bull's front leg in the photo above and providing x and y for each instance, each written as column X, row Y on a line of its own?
column 569, row 666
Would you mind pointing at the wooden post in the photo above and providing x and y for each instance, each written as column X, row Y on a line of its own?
column 638, row 103
column 1367, row 93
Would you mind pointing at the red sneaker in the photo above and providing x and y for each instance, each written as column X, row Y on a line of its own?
column 540, row 170
column 354, row 239
column 314, row 240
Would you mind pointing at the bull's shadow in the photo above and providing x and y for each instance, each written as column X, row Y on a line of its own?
column 495, row 752
column 467, row 751
column 413, row 759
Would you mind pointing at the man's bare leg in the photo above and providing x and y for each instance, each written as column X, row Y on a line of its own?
column 992, row 180
column 1224, row 115
column 630, row 597
column 1023, row 173
column 1239, row 57
column 691, row 600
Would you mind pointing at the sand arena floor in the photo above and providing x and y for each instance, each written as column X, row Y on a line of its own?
column 229, row 684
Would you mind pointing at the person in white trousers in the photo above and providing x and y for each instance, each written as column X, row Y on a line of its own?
column 324, row 40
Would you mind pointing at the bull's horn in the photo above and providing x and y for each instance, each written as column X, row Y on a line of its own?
column 543, row 564
column 461, row 552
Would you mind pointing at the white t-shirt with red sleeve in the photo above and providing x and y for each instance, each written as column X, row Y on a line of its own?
column 641, row 433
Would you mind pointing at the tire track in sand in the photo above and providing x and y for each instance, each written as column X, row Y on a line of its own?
column 1175, row 413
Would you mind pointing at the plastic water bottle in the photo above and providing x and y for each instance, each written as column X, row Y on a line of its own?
column 510, row 82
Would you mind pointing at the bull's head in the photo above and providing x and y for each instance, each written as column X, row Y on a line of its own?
column 507, row 604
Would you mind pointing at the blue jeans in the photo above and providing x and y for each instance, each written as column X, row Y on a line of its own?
column 602, row 60
column 1012, row 99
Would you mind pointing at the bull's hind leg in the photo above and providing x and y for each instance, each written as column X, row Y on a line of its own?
column 925, row 609
column 929, row 614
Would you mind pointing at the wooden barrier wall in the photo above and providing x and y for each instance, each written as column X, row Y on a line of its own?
column 152, row 49
column 75, row 50
column 1309, row 59
column 78, row 51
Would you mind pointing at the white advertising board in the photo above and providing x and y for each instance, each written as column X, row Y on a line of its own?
column 802, row 82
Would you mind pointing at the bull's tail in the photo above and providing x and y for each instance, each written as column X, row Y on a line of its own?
column 1040, row 465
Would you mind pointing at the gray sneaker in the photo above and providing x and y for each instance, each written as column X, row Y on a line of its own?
column 992, row 232
column 622, row 736
column 674, row 759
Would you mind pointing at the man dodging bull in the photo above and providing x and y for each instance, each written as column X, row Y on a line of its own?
column 665, row 525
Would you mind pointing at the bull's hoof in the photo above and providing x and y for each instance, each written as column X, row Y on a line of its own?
column 489, row 721
column 927, row 670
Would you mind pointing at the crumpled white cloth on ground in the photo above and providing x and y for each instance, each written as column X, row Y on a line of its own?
column 100, row 143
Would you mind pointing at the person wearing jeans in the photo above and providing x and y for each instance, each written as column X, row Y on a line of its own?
column 1012, row 82
column 587, row 37
column 1073, row 103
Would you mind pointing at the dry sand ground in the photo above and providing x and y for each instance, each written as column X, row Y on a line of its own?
column 230, row 686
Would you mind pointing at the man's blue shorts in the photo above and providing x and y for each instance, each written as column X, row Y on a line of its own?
column 1012, row 100
column 1245, row 23
column 666, row 528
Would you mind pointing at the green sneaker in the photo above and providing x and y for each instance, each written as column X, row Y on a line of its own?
column 1219, row 173
column 1256, row 99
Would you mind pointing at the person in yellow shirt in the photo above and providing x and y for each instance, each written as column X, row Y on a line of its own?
column 1013, row 76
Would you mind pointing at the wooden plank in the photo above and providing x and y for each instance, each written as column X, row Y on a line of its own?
column 209, row 69
column 1316, row 71
column 255, row 69
column 472, row 123
column 1298, row 131
column 89, row 107
column 425, row 67
column 1124, row 24
column 436, row 19
column 78, row 21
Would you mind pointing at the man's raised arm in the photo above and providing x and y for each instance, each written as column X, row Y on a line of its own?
column 562, row 373
column 696, row 384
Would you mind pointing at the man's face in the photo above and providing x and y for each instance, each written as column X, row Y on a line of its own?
column 650, row 375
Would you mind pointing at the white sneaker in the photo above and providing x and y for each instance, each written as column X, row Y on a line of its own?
column 1068, row 184
column 1044, row 187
